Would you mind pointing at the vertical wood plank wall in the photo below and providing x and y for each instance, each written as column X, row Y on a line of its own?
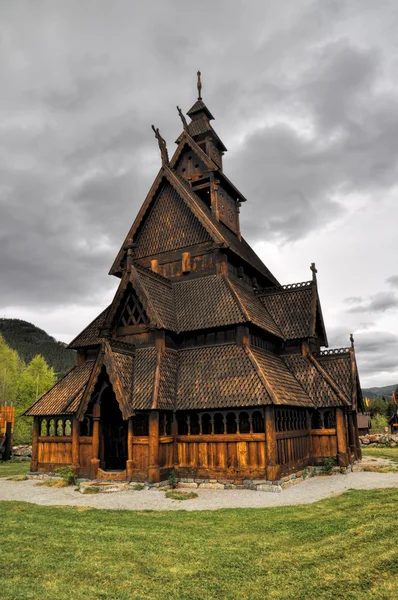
column 229, row 455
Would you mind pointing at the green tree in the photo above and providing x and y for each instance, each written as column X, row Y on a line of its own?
column 36, row 378
column 10, row 369
column 378, row 406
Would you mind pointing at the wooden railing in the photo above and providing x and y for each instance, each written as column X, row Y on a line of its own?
column 323, row 443
column 293, row 446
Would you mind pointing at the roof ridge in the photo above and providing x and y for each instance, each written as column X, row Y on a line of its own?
column 149, row 272
column 332, row 352
column 283, row 288
column 252, row 357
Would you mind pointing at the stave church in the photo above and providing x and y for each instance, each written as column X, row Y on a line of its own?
column 203, row 363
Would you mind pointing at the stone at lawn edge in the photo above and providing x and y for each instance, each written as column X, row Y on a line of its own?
column 187, row 484
column 211, row 486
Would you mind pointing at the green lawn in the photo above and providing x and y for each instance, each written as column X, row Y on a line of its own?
column 14, row 467
column 391, row 453
column 343, row 547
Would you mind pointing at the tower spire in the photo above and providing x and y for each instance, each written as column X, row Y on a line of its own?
column 199, row 86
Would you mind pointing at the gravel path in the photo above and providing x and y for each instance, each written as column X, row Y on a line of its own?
column 308, row 491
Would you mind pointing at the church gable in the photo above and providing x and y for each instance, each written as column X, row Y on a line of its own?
column 189, row 166
column 170, row 225
column 131, row 311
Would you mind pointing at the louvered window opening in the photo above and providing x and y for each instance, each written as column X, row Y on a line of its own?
column 133, row 312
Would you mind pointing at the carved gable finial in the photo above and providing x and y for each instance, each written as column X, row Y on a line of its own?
column 162, row 146
column 199, row 86
column 183, row 119
column 352, row 340
column 314, row 271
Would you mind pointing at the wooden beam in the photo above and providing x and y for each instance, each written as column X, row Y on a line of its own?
column 352, row 436
column 129, row 463
column 35, row 441
column 342, row 458
column 75, row 444
column 271, row 453
column 154, row 468
column 95, row 461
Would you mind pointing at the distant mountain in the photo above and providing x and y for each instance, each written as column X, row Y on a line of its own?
column 378, row 392
column 28, row 340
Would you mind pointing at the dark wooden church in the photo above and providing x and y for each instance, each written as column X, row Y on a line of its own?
column 203, row 363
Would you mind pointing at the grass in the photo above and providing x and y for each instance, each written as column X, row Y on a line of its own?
column 339, row 548
column 390, row 453
column 20, row 477
column 14, row 467
column 56, row 483
column 178, row 495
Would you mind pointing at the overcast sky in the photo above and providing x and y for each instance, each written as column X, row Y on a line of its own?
column 305, row 97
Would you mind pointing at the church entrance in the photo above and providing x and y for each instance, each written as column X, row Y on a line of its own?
column 113, row 433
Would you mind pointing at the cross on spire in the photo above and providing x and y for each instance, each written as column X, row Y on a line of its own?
column 199, row 86
column 314, row 271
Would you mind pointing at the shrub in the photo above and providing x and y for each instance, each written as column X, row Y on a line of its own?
column 379, row 422
column 67, row 474
column 328, row 464
column 172, row 479
column 137, row 487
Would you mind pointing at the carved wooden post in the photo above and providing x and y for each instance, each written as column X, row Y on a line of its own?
column 174, row 433
column 129, row 463
column 154, row 469
column 357, row 442
column 342, row 458
column 95, row 462
column 351, row 436
column 35, row 442
column 271, row 455
column 75, row 445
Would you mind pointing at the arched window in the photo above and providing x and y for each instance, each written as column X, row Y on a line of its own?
column 329, row 420
column 140, row 424
column 194, row 424
column 206, row 424
column 43, row 427
column 218, row 423
column 182, row 424
column 316, row 420
column 231, row 423
column 258, row 422
column 244, row 423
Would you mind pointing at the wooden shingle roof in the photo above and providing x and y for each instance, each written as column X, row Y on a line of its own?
column 307, row 372
column 218, row 377
column 59, row 400
column 90, row 336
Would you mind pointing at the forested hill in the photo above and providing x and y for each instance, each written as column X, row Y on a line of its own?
column 29, row 340
column 379, row 392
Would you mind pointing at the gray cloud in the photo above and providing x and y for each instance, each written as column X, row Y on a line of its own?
column 304, row 98
column 393, row 280
column 378, row 303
